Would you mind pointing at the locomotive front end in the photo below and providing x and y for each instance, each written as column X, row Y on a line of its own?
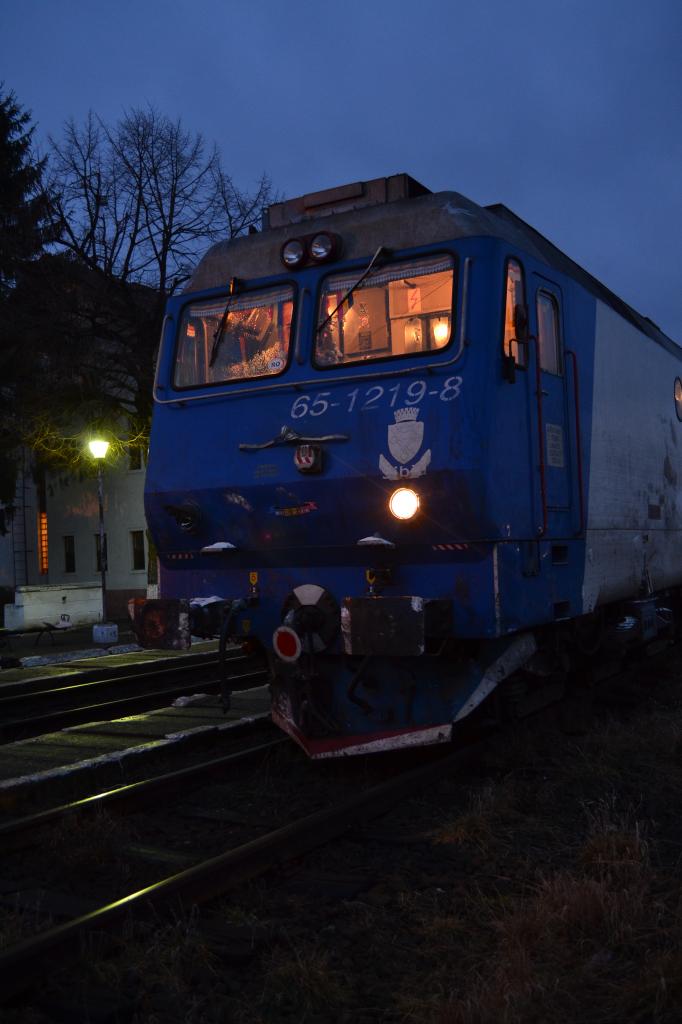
column 316, row 484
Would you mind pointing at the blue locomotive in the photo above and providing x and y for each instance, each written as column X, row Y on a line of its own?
column 415, row 456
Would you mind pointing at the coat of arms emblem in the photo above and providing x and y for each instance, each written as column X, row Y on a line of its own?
column 405, row 438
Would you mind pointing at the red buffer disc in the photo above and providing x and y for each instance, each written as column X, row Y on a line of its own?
column 286, row 643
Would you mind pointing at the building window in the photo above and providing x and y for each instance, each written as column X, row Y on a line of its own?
column 137, row 542
column 42, row 543
column 98, row 553
column 69, row 554
column 134, row 458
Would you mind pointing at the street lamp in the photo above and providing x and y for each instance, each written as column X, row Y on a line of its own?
column 99, row 450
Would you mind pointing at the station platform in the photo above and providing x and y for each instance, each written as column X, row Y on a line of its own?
column 106, row 753
column 74, row 651
column 52, row 646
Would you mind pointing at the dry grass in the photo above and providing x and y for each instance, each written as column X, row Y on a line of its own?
column 171, row 966
column 82, row 841
column 573, row 913
column 557, row 953
column 597, row 939
column 550, row 896
column 615, row 849
column 300, row 978
column 491, row 810
column 19, row 924
column 25, row 1015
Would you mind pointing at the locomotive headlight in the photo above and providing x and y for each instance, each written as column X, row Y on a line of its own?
column 321, row 247
column 404, row 503
column 293, row 253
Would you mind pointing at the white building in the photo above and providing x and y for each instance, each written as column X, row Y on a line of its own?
column 73, row 532
column 54, row 539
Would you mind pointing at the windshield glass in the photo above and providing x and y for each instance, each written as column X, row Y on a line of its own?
column 399, row 310
column 254, row 341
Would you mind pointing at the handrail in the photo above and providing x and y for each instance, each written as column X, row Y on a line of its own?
column 578, row 439
column 542, row 530
column 468, row 260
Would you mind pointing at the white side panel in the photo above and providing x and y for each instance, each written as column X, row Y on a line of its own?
column 634, row 511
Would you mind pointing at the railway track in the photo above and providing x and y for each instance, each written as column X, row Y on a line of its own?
column 207, row 879
column 27, row 830
column 29, row 710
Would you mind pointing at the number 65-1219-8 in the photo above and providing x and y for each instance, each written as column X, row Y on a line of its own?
column 365, row 400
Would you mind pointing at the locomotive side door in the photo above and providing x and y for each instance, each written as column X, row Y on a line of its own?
column 546, row 324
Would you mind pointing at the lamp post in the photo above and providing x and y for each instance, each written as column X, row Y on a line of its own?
column 99, row 449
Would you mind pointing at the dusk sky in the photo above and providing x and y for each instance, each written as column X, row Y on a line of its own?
column 567, row 111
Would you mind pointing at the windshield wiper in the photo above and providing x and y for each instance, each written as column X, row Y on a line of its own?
column 381, row 251
column 220, row 329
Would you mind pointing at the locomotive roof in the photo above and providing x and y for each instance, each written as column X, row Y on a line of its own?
column 403, row 224
column 554, row 257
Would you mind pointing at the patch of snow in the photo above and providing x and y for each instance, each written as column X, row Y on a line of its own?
column 116, row 757
column 185, row 702
column 59, row 657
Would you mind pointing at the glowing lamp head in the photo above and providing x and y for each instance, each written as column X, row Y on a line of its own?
column 441, row 331
column 98, row 449
column 404, row 503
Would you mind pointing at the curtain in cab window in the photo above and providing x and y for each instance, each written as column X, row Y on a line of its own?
column 251, row 341
column 400, row 310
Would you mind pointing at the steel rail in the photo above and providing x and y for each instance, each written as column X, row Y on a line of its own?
column 21, row 964
column 65, row 696
column 20, row 832
column 55, row 720
column 14, row 691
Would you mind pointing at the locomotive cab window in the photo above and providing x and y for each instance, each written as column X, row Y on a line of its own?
column 549, row 343
column 678, row 398
column 399, row 310
column 515, row 316
column 235, row 337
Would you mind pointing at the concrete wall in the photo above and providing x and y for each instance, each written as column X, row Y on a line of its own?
column 34, row 606
column 72, row 510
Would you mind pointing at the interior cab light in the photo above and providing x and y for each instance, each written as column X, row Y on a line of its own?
column 404, row 503
column 441, row 330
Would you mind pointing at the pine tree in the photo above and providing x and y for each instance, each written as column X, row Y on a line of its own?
column 23, row 202
column 24, row 209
